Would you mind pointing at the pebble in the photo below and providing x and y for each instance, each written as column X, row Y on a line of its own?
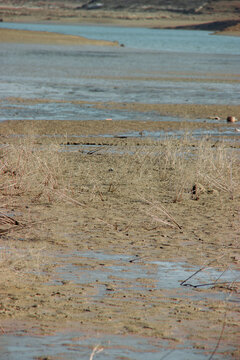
column 231, row 119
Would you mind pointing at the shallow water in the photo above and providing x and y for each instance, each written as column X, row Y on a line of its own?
column 142, row 38
column 152, row 68
column 140, row 274
column 75, row 346
column 125, row 272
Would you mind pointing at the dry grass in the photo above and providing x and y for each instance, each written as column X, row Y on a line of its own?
column 44, row 173
column 153, row 175
column 28, row 169
column 202, row 165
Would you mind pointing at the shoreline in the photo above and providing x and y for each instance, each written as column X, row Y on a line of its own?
column 43, row 37
column 227, row 23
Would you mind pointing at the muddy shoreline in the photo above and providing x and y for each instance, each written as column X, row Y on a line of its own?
column 105, row 203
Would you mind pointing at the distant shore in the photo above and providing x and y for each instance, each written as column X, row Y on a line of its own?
column 39, row 37
column 218, row 22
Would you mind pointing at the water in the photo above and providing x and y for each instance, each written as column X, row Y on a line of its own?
column 125, row 272
column 190, row 41
column 155, row 66
column 135, row 275
column 75, row 346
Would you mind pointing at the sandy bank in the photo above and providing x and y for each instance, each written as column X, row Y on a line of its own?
column 39, row 37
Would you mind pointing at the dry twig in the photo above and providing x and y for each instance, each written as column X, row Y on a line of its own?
column 97, row 349
column 165, row 212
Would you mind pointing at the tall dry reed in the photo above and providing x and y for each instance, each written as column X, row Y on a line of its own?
column 28, row 169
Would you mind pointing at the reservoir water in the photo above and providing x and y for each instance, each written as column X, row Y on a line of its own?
column 154, row 66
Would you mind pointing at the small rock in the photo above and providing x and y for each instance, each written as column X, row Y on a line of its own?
column 231, row 119
column 197, row 190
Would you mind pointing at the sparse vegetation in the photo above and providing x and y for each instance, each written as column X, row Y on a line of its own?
column 157, row 173
column 29, row 170
column 171, row 200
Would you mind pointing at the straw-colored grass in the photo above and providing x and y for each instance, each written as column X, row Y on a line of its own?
column 153, row 175
column 203, row 166
column 182, row 163
column 29, row 170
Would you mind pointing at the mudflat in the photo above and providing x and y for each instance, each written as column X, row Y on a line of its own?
column 66, row 197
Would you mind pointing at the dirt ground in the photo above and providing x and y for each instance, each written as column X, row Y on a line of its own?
column 126, row 196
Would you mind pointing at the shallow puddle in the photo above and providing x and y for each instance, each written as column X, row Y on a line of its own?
column 227, row 133
column 68, row 111
column 75, row 346
column 109, row 274
column 124, row 272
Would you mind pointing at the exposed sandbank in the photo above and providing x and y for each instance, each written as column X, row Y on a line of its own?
column 40, row 37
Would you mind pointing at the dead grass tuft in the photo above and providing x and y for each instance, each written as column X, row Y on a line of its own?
column 112, row 185
column 26, row 169
column 199, row 167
